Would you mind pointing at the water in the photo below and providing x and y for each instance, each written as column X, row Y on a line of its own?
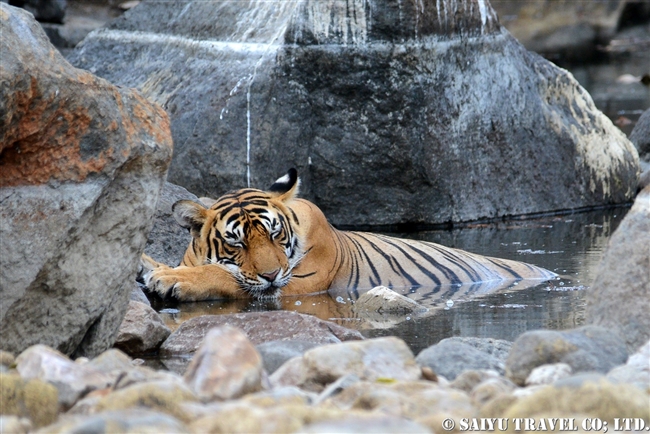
column 570, row 245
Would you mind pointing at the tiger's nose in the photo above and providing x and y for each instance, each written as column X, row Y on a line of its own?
column 271, row 275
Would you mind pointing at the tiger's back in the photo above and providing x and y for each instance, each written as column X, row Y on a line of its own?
column 371, row 260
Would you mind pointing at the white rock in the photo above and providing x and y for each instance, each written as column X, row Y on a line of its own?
column 547, row 374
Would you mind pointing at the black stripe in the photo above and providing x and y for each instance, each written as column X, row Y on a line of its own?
column 424, row 270
column 390, row 259
column 446, row 271
column 504, row 267
column 302, row 276
column 208, row 242
column 362, row 253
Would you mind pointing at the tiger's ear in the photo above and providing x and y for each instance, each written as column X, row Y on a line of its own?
column 286, row 187
column 189, row 215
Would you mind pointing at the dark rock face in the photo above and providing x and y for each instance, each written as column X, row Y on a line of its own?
column 168, row 240
column 393, row 113
column 619, row 298
column 82, row 163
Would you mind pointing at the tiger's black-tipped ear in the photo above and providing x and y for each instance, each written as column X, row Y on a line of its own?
column 287, row 186
column 189, row 215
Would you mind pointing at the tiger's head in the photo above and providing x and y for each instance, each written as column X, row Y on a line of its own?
column 250, row 232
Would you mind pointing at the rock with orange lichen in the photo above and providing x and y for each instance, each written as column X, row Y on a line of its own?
column 82, row 163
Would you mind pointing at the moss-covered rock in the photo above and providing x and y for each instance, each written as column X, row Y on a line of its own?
column 161, row 396
column 33, row 399
column 590, row 396
column 7, row 359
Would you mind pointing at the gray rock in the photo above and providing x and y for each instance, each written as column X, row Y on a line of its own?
column 450, row 358
column 168, row 240
column 83, row 162
column 275, row 353
column 142, row 330
column 619, row 298
column 373, row 359
column 640, row 136
column 585, row 349
column 226, row 366
column 72, row 380
column 498, row 348
column 400, row 115
column 259, row 327
column 137, row 294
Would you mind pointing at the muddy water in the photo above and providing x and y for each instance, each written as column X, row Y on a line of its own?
column 570, row 245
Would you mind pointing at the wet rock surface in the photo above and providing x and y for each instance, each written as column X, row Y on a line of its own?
column 619, row 298
column 380, row 115
column 81, row 166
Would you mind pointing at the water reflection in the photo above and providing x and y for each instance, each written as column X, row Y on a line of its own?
column 570, row 245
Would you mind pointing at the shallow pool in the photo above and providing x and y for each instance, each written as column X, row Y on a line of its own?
column 571, row 245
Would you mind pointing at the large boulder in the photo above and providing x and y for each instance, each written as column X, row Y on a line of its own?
column 82, row 163
column 619, row 298
column 417, row 112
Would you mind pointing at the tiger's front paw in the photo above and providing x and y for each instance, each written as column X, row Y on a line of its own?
column 160, row 278
column 165, row 281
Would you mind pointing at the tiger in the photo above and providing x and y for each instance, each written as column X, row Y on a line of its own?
column 258, row 244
